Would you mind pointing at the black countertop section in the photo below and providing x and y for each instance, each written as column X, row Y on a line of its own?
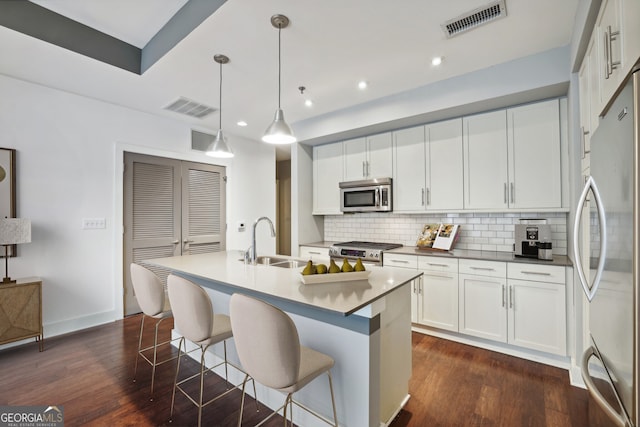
column 559, row 260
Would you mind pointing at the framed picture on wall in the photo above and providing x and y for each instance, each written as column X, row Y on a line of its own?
column 8, row 188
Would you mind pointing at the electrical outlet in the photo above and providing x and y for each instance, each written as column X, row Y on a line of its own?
column 94, row 223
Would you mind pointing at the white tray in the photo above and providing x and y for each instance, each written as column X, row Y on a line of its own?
column 334, row 277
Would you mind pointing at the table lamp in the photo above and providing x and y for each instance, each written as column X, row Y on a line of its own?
column 13, row 231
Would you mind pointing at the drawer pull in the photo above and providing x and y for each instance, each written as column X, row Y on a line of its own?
column 536, row 273
column 433, row 264
column 401, row 261
column 440, row 276
column 315, row 253
column 482, row 268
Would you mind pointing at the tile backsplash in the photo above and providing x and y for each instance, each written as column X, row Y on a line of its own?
column 478, row 231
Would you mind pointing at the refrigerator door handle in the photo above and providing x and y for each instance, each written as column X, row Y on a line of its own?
column 590, row 291
column 618, row 419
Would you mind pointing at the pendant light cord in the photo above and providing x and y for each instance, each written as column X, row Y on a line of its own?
column 220, row 116
column 279, row 65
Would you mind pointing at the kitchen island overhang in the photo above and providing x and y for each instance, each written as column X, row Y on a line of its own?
column 364, row 325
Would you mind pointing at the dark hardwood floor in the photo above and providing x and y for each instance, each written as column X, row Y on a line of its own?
column 89, row 373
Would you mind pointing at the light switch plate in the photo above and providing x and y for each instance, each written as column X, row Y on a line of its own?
column 94, row 223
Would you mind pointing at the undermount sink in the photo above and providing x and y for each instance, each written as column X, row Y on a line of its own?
column 279, row 262
column 290, row 263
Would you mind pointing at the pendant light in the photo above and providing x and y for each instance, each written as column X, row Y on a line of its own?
column 219, row 147
column 279, row 131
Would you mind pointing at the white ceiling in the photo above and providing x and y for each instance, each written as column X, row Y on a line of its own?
column 329, row 46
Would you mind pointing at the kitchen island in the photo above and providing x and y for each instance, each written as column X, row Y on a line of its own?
column 365, row 325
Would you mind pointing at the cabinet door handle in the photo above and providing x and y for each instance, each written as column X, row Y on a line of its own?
column 187, row 241
column 606, row 55
column 511, row 292
column 584, row 142
column 364, row 169
column 537, row 273
column 428, row 196
column 175, row 242
column 503, row 296
column 609, row 37
column 513, row 194
column 505, row 193
column 423, row 199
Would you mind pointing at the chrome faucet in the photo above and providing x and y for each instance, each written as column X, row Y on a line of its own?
column 254, row 251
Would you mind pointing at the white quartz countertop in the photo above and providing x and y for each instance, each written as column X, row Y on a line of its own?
column 344, row 297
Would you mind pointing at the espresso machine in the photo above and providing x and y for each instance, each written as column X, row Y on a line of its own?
column 528, row 236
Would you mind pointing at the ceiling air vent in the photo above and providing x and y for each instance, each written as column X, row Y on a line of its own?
column 475, row 18
column 190, row 108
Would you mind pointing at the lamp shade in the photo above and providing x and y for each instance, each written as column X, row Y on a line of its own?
column 279, row 131
column 14, row 231
column 219, row 147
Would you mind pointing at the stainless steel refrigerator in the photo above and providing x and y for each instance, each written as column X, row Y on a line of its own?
column 610, row 281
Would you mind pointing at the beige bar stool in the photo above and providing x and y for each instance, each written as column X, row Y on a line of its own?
column 269, row 349
column 151, row 299
column 195, row 320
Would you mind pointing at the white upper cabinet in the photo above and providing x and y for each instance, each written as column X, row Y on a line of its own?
column 428, row 167
column 446, row 166
column 513, row 157
column 327, row 173
column 410, row 169
column 613, row 49
column 609, row 35
column 534, row 155
column 589, row 95
column 368, row 157
column 485, row 158
column 355, row 159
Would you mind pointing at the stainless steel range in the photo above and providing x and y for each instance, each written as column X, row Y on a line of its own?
column 368, row 252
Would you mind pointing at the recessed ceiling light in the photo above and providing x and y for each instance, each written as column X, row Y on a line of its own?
column 308, row 102
column 362, row 84
column 436, row 60
column 242, row 123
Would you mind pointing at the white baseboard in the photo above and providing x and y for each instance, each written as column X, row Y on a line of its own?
column 70, row 325
column 575, row 376
column 79, row 323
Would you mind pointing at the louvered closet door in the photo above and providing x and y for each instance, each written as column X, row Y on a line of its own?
column 171, row 208
column 203, row 221
column 152, row 208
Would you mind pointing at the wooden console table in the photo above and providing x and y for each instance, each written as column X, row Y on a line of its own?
column 21, row 311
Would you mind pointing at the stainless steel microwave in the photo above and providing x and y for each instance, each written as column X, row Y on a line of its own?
column 370, row 195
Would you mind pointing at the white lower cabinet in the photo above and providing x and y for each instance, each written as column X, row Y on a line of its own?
column 537, row 307
column 483, row 299
column 434, row 295
column 410, row 262
column 519, row 304
column 522, row 304
column 438, row 293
